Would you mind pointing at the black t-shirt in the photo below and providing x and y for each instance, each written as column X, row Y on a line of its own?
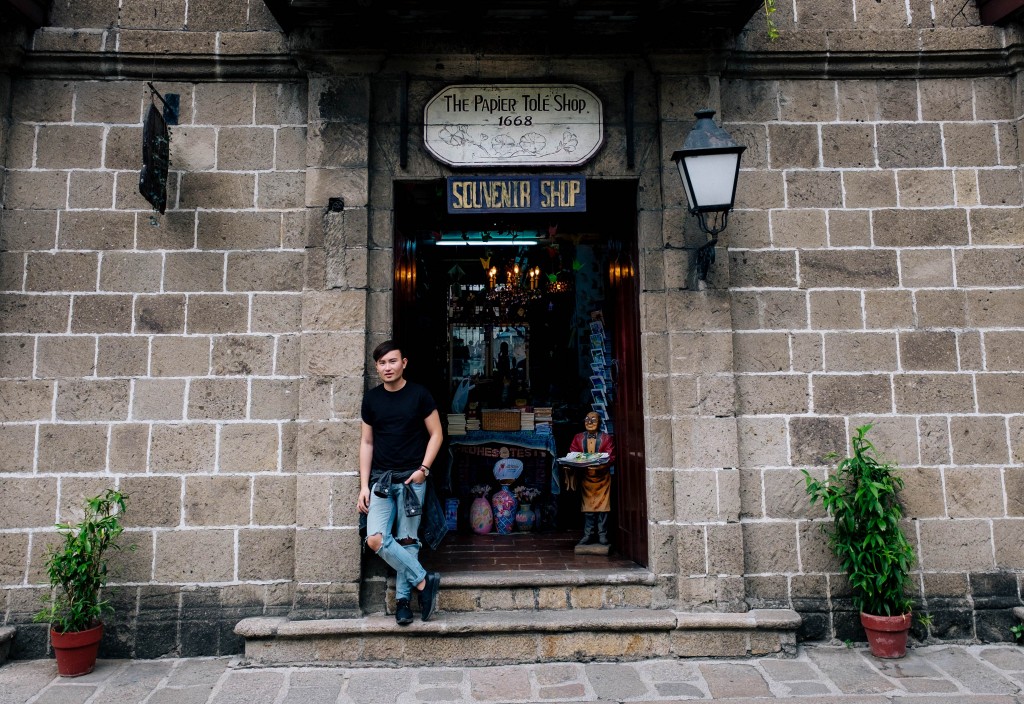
column 399, row 433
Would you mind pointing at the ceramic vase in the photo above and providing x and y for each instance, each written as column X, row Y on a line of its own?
column 481, row 520
column 504, row 503
column 526, row 518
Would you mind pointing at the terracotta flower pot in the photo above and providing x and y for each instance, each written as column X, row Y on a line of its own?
column 887, row 635
column 76, row 651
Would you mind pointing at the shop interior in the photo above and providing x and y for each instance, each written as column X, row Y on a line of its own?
column 516, row 325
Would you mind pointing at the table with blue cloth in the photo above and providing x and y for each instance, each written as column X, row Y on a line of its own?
column 472, row 457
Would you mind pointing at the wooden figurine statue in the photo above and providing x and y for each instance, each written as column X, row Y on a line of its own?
column 595, row 481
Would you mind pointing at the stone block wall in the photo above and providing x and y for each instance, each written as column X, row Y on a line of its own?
column 875, row 277
column 164, row 354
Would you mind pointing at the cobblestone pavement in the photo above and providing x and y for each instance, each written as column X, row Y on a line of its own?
column 978, row 674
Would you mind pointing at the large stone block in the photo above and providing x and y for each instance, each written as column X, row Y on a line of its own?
column 274, row 399
column 238, row 230
column 180, row 356
column 956, row 545
column 28, row 503
column 35, row 190
column 96, row 230
column 970, row 144
column 264, row 271
column 179, row 448
column 72, row 448
column 925, row 268
column 762, row 269
column 131, row 271
column 920, row 228
column 849, row 146
column 281, row 190
column 129, row 445
column 41, row 100
column 793, row 146
column 770, row 547
column 849, row 228
column 767, row 394
column 333, row 354
column 846, row 394
column 27, row 230
column 189, row 271
column 281, row 103
column 69, row 147
column 195, row 556
column 162, row 313
column 19, row 443
column 1000, row 393
column 998, row 308
column 869, row 189
column 34, row 313
column 860, row 352
column 249, row 447
column 973, row 492
column 812, row 439
column 174, row 230
column 922, row 495
column 274, row 500
column 85, row 399
column 807, row 101
column 243, row 355
column 844, row 268
column 276, row 313
column 266, row 554
column 155, row 502
column 224, row 103
column 941, row 309
column 13, row 557
column 217, row 190
column 60, row 271
column 217, row 399
column 245, row 148
column 158, row 399
column 872, row 101
column 153, row 14
column 908, row 145
column 25, row 400
column 989, row 267
column 923, row 350
column 328, row 447
column 324, row 311
column 1000, row 187
column 835, row 310
column 72, row 356
column 978, row 440
column 925, row 188
column 933, row 393
column 218, row 314
column 327, row 555
column 217, row 501
column 193, row 148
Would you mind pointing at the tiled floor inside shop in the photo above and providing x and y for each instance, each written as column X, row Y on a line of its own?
column 517, row 551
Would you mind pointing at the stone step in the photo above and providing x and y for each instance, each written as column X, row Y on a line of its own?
column 544, row 590
column 518, row 637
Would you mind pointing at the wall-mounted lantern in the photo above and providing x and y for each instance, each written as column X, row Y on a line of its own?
column 709, row 164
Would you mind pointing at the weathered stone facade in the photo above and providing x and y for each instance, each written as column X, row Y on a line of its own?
column 210, row 361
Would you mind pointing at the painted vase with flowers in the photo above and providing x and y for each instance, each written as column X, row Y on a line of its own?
column 481, row 519
column 526, row 517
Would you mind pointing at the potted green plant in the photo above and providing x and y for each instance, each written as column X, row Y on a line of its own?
column 78, row 571
column 865, row 534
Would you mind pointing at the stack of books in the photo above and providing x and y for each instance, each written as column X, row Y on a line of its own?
column 527, row 421
column 472, row 423
column 542, row 419
column 457, row 424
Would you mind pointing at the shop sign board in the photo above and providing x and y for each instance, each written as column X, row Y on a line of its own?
column 513, row 125
column 534, row 193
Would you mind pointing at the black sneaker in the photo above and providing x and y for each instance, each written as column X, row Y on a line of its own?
column 428, row 596
column 403, row 613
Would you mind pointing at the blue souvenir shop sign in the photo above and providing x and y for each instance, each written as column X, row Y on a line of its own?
column 517, row 194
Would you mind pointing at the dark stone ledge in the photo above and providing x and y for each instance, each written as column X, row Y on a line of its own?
column 163, row 66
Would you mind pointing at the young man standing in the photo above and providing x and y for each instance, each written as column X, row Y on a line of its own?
column 401, row 436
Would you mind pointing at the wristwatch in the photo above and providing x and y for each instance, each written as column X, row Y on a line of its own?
column 426, row 470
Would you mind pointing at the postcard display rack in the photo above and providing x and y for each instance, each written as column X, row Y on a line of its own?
column 602, row 388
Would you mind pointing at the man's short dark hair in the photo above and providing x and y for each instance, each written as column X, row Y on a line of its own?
column 386, row 347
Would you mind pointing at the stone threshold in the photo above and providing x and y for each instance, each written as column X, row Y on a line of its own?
column 542, row 578
column 510, row 637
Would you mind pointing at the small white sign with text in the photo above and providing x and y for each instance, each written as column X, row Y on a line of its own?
column 513, row 125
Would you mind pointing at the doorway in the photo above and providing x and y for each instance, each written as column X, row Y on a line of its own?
column 522, row 327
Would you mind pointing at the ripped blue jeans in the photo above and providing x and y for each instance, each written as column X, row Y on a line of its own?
column 382, row 519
